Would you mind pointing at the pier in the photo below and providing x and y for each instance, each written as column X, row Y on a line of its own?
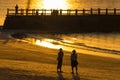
column 63, row 21
column 61, row 12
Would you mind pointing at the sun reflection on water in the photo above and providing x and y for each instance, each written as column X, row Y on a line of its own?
column 47, row 44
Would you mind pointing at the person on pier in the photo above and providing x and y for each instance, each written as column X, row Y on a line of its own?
column 16, row 9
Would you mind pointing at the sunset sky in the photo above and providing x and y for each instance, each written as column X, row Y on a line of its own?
column 56, row 4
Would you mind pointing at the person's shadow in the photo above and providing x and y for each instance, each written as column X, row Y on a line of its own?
column 60, row 76
column 75, row 76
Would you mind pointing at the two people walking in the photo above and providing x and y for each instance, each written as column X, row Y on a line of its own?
column 74, row 62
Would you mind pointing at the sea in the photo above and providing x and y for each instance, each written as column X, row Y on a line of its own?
column 81, row 42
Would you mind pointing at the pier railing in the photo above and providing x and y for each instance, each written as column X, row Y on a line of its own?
column 61, row 12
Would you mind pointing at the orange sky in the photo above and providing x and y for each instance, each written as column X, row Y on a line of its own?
column 64, row 4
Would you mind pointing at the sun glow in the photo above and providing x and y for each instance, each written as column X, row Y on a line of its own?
column 47, row 44
column 54, row 4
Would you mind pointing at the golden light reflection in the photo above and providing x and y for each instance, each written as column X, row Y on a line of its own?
column 47, row 44
column 67, row 41
column 54, row 4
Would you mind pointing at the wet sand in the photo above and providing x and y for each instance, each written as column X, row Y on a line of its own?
column 23, row 61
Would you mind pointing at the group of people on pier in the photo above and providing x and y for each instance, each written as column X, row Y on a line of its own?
column 73, row 57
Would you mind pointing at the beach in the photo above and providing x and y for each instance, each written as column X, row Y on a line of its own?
column 23, row 61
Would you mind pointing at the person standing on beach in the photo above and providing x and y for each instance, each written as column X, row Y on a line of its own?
column 59, row 59
column 74, row 62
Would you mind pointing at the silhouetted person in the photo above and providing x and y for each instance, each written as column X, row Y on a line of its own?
column 60, row 58
column 16, row 9
column 74, row 61
column 37, row 13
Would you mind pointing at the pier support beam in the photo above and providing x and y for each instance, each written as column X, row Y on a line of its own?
column 98, row 11
column 106, row 11
column 114, row 11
